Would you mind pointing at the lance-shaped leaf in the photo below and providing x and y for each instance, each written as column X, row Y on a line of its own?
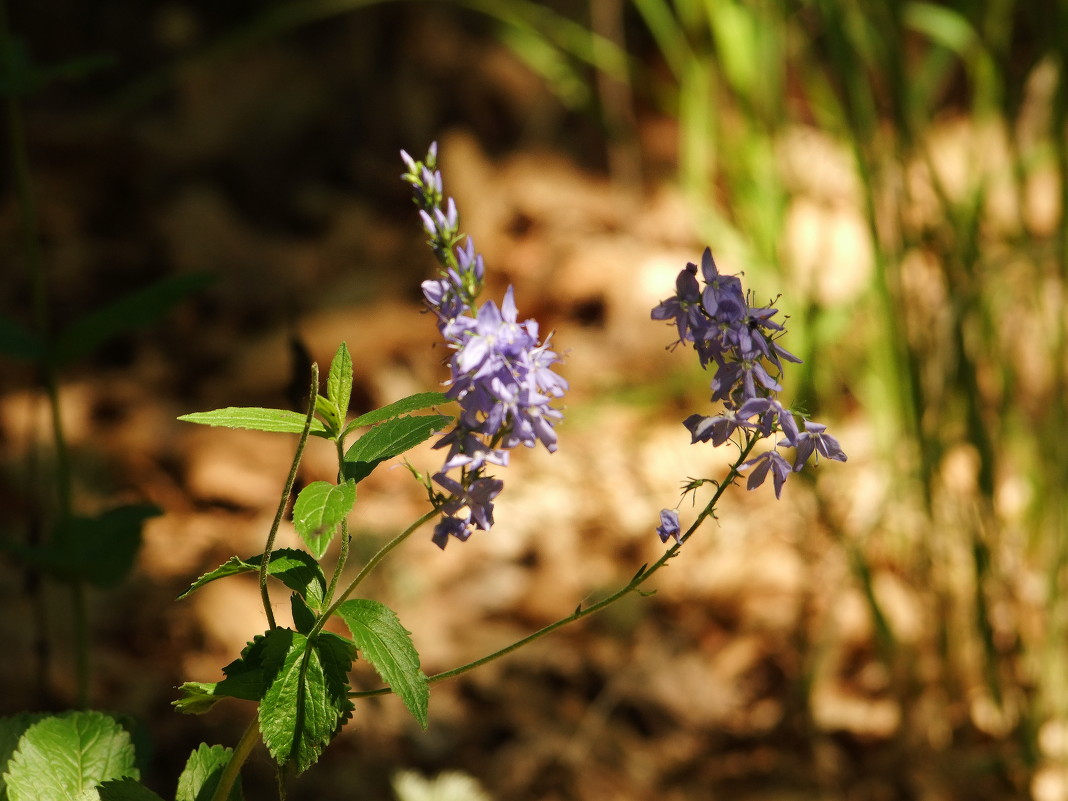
column 339, row 384
column 254, row 418
column 320, row 508
column 67, row 756
column 247, row 677
column 202, row 772
column 387, row 645
column 296, row 569
column 134, row 310
column 413, row 403
column 389, row 439
column 307, row 702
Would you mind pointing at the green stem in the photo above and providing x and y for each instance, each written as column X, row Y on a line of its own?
column 343, row 554
column 265, row 560
column 633, row 585
column 237, row 760
column 372, row 563
column 342, row 557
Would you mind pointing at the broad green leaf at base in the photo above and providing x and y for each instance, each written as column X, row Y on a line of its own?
column 202, row 772
column 307, row 702
column 64, row 757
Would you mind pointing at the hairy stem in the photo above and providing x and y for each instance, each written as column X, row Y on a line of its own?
column 283, row 503
column 372, row 563
column 343, row 553
column 633, row 585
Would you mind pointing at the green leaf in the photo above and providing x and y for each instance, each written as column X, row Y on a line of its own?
column 11, row 730
column 254, row 418
column 296, row 569
column 202, row 772
column 324, row 407
column 247, row 677
column 320, row 508
column 387, row 440
column 100, row 550
column 125, row 790
column 387, row 645
column 413, row 403
column 305, row 705
column 62, row 757
column 134, row 310
column 231, row 567
column 18, row 342
column 303, row 616
column 339, row 383
column 299, row 571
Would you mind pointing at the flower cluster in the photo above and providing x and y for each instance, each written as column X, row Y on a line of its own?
column 739, row 341
column 501, row 373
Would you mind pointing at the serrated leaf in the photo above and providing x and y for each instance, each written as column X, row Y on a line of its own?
column 253, row 418
column 387, row 645
column 100, row 550
column 296, row 569
column 304, row 707
column 125, row 790
column 64, row 756
column 11, row 730
column 413, row 403
column 319, row 509
column 19, row 342
column 387, row 440
column 339, row 382
column 133, row 310
column 247, row 677
column 231, row 567
column 202, row 772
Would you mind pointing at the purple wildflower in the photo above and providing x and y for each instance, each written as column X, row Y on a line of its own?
column 812, row 439
column 769, row 460
column 500, row 372
column 740, row 343
column 669, row 525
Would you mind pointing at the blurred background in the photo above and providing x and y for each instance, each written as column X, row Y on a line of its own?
column 892, row 173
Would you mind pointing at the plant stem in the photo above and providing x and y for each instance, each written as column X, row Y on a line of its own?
column 633, row 585
column 372, row 563
column 283, row 503
column 343, row 553
column 237, row 760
